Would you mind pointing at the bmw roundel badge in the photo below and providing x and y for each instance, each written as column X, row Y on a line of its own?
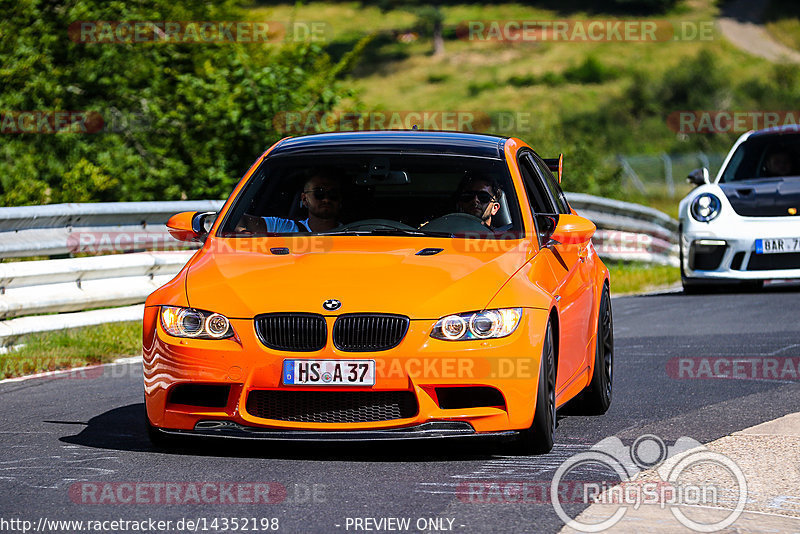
column 332, row 304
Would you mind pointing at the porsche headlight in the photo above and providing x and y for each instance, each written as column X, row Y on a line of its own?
column 487, row 324
column 199, row 324
column 705, row 207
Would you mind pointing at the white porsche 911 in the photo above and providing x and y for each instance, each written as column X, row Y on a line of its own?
column 744, row 225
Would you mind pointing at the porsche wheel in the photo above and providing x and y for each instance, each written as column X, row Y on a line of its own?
column 538, row 439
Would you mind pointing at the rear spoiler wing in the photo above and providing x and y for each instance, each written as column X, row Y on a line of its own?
column 556, row 165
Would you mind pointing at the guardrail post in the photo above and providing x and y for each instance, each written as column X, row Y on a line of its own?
column 668, row 174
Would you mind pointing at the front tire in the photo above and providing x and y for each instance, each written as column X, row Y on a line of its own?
column 538, row 439
column 158, row 439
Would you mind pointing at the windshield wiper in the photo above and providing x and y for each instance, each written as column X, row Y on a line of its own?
column 398, row 231
column 390, row 231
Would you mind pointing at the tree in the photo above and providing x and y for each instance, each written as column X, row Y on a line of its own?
column 430, row 19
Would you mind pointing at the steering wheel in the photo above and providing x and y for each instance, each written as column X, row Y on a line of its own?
column 457, row 223
column 375, row 224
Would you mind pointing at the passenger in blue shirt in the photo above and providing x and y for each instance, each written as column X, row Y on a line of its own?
column 322, row 195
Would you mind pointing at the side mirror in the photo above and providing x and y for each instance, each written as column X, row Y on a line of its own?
column 573, row 230
column 190, row 225
column 699, row 177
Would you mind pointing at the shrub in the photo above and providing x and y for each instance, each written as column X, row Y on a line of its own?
column 203, row 112
column 590, row 71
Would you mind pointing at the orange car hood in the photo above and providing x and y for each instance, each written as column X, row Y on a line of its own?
column 367, row 274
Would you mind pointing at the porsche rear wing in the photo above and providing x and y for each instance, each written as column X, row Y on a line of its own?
column 556, row 165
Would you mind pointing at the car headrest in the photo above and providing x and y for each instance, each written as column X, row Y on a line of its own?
column 503, row 216
column 296, row 210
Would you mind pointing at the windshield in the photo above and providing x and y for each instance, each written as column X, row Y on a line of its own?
column 764, row 156
column 377, row 194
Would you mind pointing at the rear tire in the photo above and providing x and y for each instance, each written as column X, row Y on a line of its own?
column 596, row 398
column 538, row 439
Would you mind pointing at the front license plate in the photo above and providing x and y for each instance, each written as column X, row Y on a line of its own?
column 329, row 372
column 778, row 246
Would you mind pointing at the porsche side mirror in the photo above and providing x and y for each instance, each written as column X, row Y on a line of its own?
column 699, row 177
column 573, row 230
column 190, row 225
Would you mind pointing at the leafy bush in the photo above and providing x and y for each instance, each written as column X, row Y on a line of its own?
column 476, row 88
column 524, row 80
column 552, row 79
column 644, row 6
column 590, row 71
column 202, row 112
column 438, row 78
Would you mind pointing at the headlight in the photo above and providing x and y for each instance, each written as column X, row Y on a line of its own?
column 486, row 324
column 705, row 207
column 188, row 322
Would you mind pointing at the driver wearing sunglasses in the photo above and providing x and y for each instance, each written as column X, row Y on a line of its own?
column 479, row 196
column 322, row 195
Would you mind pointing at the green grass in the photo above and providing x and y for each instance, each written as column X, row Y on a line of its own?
column 491, row 76
column 782, row 18
column 73, row 348
column 631, row 277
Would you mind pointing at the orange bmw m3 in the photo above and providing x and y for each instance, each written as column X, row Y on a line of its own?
column 383, row 285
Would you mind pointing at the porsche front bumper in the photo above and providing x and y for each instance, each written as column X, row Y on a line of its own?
column 725, row 248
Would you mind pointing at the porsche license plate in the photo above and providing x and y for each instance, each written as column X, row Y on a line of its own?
column 329, row 372
column 778, row 246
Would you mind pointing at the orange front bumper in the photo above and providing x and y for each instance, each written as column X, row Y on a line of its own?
column 419, row 364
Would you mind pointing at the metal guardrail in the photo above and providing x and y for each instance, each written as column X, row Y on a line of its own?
column 628, row 231
column 57, row 229
column 53, row 294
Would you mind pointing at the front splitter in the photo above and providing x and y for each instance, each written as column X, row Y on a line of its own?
column 430, row 430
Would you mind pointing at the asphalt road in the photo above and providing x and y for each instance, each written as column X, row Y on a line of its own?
column 66, row 442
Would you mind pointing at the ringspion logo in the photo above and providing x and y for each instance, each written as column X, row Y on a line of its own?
column 651, row 472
